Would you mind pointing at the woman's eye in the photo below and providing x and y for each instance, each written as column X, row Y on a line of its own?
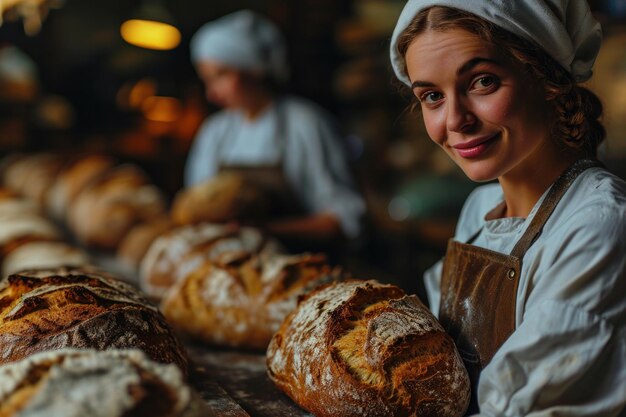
column 430, row 97
column 484, row 82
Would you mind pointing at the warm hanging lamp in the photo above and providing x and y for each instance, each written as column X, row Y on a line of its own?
column 151, row 27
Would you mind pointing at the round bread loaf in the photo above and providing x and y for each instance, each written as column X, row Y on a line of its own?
column 32, row 175
column 360, row 348
column 19, row 229
column 74, row 176
column 87, row 382
column 82, row 308
column 37, row 255
column 178, row 252
column 138, row 240
column 111, row 204
column 225, row 197
column 243, row 303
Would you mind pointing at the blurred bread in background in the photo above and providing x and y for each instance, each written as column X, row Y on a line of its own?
column 137, row 241
column 37, row 255
column 225, row 197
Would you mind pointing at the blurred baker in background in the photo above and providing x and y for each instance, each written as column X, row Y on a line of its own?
column 283, row 141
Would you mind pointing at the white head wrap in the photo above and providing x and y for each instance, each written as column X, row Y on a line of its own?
column 245, row 41
column 565, row 29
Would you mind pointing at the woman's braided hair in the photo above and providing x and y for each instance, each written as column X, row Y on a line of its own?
column 577, row 110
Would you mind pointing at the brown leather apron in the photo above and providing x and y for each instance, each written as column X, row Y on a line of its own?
column 271, row 177
column 479, row 287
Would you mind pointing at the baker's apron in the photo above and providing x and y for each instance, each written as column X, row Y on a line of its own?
column 270, row 178
column 479, row 287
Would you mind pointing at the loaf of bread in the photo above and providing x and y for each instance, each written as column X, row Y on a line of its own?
column 87, row 382
column 111, row 204
column 242, row 303
column 43, row 254
column 360, row 348
column 138, row 240
column 14, row 206
column 19, row 229
column 74, row 176
column 33, row 174
column 226, row 197
column 183, row 249
column 82, row 308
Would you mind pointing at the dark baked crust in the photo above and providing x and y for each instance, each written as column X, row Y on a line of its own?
column 81, row 308
column 359, row 348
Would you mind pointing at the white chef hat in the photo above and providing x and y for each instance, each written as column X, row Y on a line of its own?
column 243, row 40
column 565, row 29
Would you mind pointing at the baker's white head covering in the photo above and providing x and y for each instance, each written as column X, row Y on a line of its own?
column 242, row 40
column 564, row 28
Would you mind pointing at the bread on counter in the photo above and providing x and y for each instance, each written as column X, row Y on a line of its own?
column 138, row 240
column 74, row 176
column 87, row 382
column 50, row 309
column 183, row 249
column 17, row 229
column 33, row 174
column 360, row 349
column 225, row 197
column 111, row 204
column 43, row 254
column 243, row 302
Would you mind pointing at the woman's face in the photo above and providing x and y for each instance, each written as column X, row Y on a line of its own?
column 488, row 116
column 224, row 86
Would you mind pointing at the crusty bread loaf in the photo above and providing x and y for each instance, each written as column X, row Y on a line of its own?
column 242, row 303
column 74, row 176
column 360, row 348
column 138, row 240
column 19, row 229
column 43, row 254
column 11, row 207
column 82, row 308
column 32, row 175
column 181, row 250
column 87, row 382
column 225, row 197
column 111, row 204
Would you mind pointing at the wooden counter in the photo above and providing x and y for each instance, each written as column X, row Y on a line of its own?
column 235, row 384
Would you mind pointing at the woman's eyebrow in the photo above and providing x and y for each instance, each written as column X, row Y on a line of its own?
column 462, row 69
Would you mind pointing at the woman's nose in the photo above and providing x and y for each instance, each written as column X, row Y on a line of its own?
column 460, row 117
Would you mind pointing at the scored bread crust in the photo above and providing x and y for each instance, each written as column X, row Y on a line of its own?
column 243, row 304
column 360, row 348
column 81, row 308
column 87, row 382
column 181, row 250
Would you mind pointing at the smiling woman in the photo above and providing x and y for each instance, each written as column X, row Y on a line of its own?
column 538, row 255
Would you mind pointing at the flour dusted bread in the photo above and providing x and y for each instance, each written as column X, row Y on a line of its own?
column 71, row 180
column 138, row 240
column 360, row 348
column 80, row 383
column 111, row 204
column 173, row 255
column 243, row 302
column 226, row 197
column 43, row 254
column 81, row 308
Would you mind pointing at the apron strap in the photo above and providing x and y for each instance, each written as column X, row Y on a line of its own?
column 552, row 199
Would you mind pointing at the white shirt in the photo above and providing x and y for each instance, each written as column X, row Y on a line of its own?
column 313, row 157
column 567, row 355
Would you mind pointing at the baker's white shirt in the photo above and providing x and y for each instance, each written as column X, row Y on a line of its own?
column 567, row 355
column 314, row 159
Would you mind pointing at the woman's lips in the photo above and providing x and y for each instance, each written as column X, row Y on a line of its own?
column 475, row 147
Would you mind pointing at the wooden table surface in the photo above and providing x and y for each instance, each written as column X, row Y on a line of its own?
column 235, row 384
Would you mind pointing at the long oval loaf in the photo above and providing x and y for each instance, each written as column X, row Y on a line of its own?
column 50, row 309
column 360, row 348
